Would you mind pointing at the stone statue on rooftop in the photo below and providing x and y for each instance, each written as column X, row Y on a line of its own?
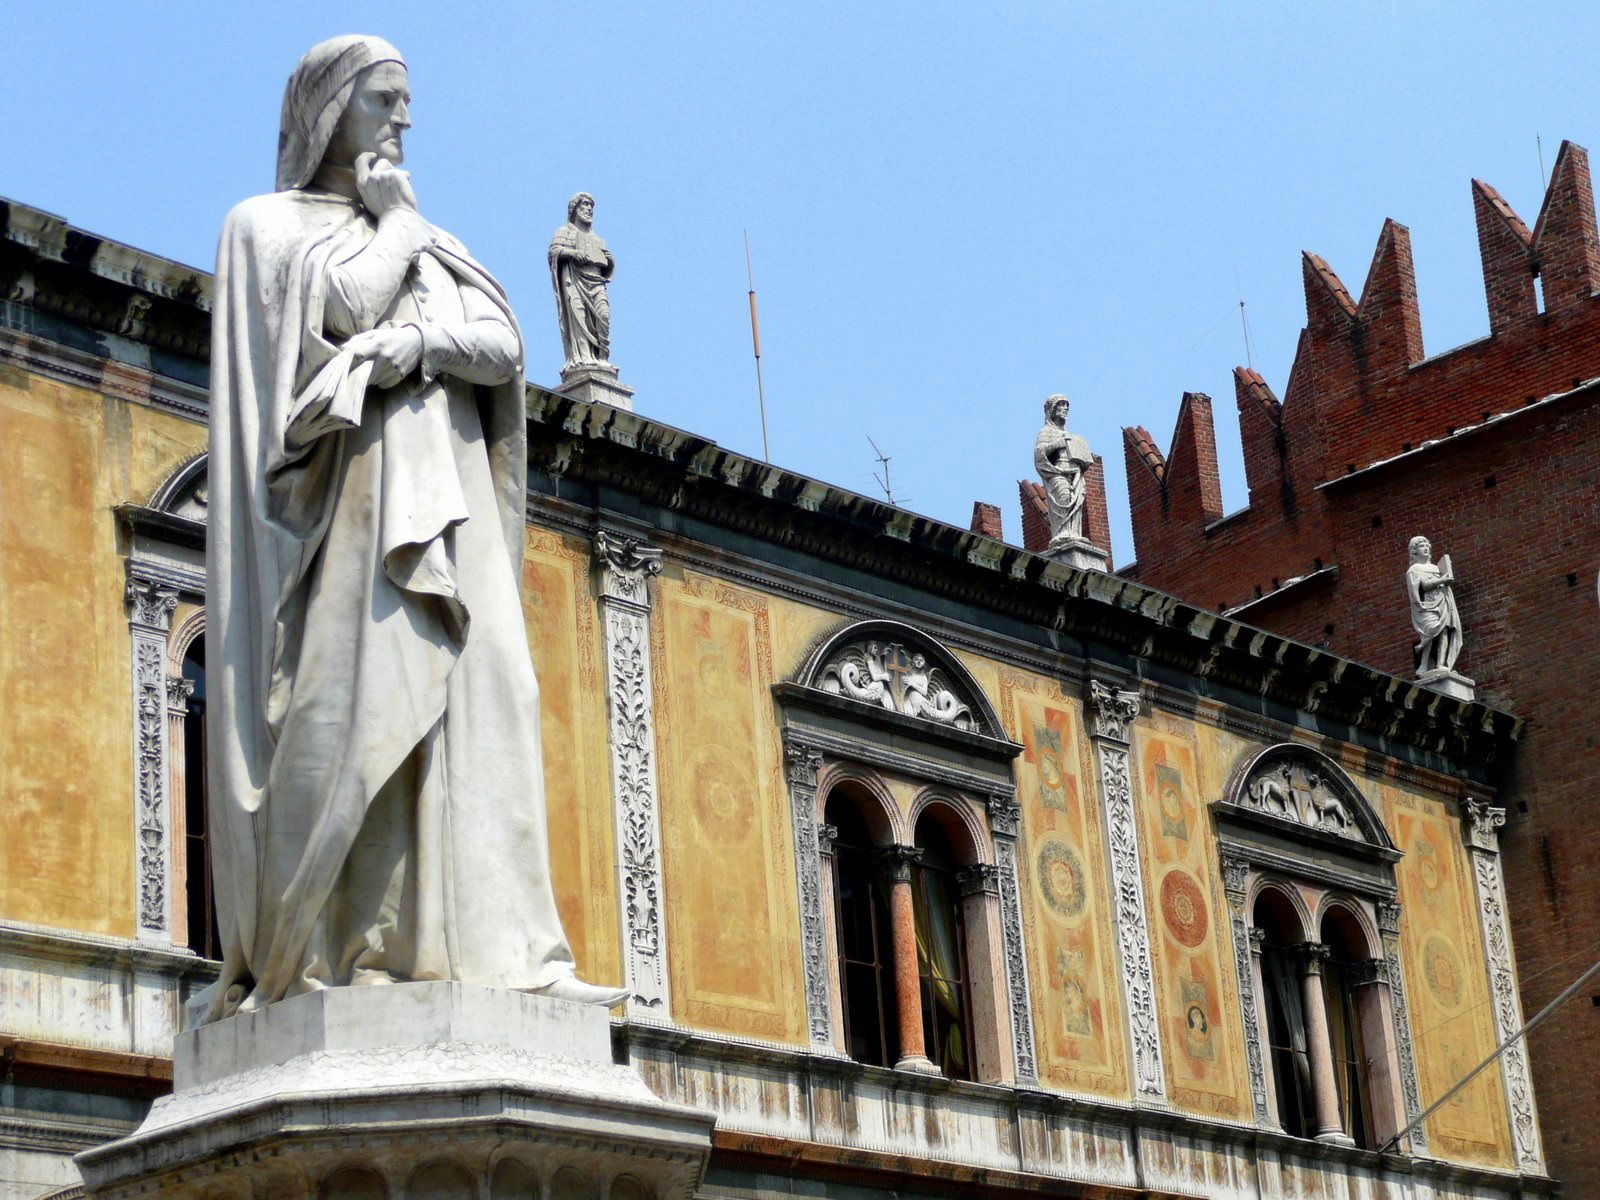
column 1430, row 588
column 580, row 269
column 1063, row 460
column 376, row 775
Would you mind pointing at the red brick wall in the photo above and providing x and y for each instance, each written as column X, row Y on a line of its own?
column 1516, row 506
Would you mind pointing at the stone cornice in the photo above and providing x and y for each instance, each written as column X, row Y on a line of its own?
column 1159, row 636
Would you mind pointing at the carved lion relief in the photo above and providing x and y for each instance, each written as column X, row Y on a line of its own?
column 1299, row 786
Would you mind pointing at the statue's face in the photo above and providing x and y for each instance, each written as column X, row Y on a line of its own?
column 376, row 117
column 586, row 211
column 1056, row 411
column 1422, row 551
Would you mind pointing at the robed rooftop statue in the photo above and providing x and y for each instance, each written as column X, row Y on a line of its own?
column 376, row 776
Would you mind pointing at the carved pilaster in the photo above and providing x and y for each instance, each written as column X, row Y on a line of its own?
column 1005, row 824
column 151, row 603
column 1111, row 713
column 1246, row 948
column 801, row 764
column 1480, row 820
column 1410, row 1090
column 625, row 567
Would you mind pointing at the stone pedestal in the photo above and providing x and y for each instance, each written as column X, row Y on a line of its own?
column 1080, row 553
column 1449, row 683
column 595, row 383
column 436, row 1090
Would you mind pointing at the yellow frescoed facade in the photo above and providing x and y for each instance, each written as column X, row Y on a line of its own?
column 873, row 853
column 1446, row 977
column 1196, row 996
column 1078, row 1012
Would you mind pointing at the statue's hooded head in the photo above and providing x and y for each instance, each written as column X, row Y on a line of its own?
column 1056, row 407
column 318, row 92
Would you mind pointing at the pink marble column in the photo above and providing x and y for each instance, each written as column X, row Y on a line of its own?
column 1319, row 1046
column 897, row 862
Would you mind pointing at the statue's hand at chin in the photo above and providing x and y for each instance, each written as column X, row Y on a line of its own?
column 382, row 185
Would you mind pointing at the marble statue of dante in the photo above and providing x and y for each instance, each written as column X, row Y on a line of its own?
column 1433, row 608
column 580, row 269
column 1063, row 460
column 376, row 778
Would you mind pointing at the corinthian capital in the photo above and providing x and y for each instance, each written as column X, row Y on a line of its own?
column 1112, row 710
column 625, row 565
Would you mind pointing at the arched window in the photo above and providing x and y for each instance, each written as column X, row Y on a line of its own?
column 1282, row 1003
column 942, row 954
column 1347, row 960
column 865, row 936
column 199, row 900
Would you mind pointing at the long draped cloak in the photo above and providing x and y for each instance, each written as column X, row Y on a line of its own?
column 579, row 276
column 1434, row 614
column 377, row 806
column 1062, row 458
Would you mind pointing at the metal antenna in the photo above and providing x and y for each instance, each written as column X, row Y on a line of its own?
column 883, row 479
column 1244, row 322
column 755, row 344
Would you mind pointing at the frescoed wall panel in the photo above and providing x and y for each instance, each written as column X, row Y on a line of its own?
column 67, row 457
column 1202, row 1035
column 726, row 847
column 563, row 636
column 1446, row 980
column 1065, row 889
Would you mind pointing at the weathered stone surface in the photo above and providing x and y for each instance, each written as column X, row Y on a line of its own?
column 403, row 1081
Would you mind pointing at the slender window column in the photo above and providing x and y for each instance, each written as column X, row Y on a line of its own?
column 626, row 565
column 1005, row 821
column 1111, row 712
column 1369, row 981
column 897, row 862
column 151, row 603
column 1480, row 820
column 1319, row 1045
column 1405, row 1055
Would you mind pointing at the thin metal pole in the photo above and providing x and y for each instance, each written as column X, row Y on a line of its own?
column 755, row 344
column 1498, row 1051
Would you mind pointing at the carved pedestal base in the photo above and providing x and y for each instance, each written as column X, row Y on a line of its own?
column 595, row 383
column 1449, row 683
column 1078, row 553
column 420, row 1089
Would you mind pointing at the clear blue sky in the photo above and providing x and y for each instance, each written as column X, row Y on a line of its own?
column 954, row 209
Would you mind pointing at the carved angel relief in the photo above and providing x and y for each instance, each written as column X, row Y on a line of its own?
column 1297, row 792
column 892, row 677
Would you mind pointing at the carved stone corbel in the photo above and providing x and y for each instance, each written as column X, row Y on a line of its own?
column 1111, row 713
column 625, row 566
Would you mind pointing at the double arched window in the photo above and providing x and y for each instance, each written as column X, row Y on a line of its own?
column 1310, row 879
column 905, row 824
column 907, row 915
